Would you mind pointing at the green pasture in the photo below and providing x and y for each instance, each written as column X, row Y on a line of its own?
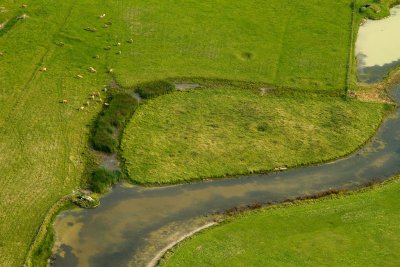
column 300, row 45
column 207, row 133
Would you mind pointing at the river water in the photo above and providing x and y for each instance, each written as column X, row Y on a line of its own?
column 133, row 223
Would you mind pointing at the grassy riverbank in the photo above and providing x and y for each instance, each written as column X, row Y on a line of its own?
column 43, row 141
column 216, row 132
column 356, row 229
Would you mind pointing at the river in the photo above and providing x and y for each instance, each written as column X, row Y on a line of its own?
column 133, row 223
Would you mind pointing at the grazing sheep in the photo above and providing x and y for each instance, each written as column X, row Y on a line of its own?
column 82, row 108
column 92, row 70
column 119, row 52
column 118, row 44
column 106, row 104
column 24, row 6
column 1, row 54
column 110, row 70
column 130, row 41
column 105, row 89
column 79, row 76
column 22, row 17
column 96, row 56
column 90, row 29
column 43, row 69
column 102, row 16
column 64, row 101
column 107, row 48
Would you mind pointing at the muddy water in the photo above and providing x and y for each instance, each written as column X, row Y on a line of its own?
column 133, row 223
column 378, row 47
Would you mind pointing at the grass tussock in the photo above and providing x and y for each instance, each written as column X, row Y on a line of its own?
column 153, row 89
column 102, row 179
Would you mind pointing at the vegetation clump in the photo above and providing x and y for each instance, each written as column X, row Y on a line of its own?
column 101, row 179
column 153, row 89
column 110, row 122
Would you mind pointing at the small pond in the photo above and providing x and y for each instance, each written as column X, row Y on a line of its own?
column 378, row 47
column 133, row 223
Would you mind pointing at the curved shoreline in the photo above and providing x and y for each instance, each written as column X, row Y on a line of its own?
column 162, row 252
column 46, row 223
column 177, row 204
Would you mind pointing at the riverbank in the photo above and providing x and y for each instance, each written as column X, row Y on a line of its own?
column 340, row 229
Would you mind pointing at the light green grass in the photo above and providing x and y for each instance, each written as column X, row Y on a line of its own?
column 215, row 132
column 360, row 229
column 298, row 44
column 42, row 141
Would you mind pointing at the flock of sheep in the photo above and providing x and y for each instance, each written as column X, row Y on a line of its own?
column 94, row 96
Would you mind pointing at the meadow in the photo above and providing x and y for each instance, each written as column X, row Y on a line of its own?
column 356, row 229
column 295, row 44
column 206, row 133
column 46, row 55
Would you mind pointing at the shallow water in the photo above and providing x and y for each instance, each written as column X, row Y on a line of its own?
column 378, row 47
column 133, row 223
column 138, row 219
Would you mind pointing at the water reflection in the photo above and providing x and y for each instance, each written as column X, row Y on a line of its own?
column 377, row 47
column 125, row 223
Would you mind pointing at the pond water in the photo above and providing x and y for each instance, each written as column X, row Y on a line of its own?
column 378, row 47
column 133, row 223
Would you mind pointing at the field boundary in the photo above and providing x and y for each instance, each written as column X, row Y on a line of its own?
column 156, row 260
column 350, row 64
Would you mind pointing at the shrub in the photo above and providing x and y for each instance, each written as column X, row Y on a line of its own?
column 101, row 179
column 153, row 89
column 110, row 122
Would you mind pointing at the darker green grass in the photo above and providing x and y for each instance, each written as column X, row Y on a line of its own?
column 111, row 121
column 154, row 89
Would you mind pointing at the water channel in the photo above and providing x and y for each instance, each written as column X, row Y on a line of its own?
column 133, row 223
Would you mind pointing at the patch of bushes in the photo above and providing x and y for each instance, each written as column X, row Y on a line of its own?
column 101, row 179
column 110, row 122
column 153, row 89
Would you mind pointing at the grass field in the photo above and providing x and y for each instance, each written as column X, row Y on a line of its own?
column 215, row 132
column 297, row 44
column 42, row 141
column 360, row 229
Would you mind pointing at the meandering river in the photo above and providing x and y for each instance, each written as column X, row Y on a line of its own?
column 133, row 223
